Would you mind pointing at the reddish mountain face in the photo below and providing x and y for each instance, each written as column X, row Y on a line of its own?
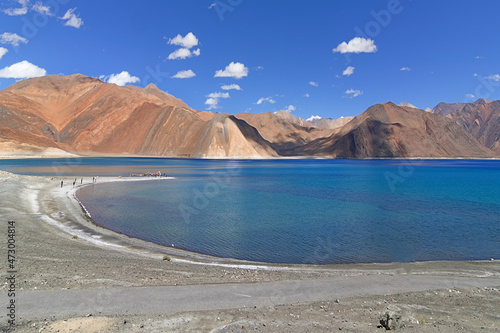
column 387, row 130
column 281, row 133
column 84, row 115
column 481, row 119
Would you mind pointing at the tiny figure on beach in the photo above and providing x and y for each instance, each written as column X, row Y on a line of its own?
column 62, row 182
column 74, row 183
column 81, row 181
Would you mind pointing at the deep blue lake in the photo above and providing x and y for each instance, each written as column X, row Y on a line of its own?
column 298, row 211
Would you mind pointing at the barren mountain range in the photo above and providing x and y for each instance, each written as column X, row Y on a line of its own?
column 481, row 119
column 84, row 115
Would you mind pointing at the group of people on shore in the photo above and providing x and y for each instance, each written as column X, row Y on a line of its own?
column 94, row 180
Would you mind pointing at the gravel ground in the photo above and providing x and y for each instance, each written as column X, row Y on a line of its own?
column 57, row 247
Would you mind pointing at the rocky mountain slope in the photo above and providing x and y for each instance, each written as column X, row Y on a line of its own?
column 390, row 131
column 281, row 133
column 84, row 115
column 481, row 119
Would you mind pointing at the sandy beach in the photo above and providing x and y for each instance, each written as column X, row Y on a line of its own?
column 61, row 256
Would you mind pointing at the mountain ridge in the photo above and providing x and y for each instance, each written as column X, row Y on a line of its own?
column 84, row 115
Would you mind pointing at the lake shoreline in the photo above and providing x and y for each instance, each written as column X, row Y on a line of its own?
column 51, row 258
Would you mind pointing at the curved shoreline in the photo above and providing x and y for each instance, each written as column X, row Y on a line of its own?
column 101, row 267
column 191, row 257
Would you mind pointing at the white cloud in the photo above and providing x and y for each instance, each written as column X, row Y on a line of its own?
column 475, row 75
column 265, row 99
column 12, row 38
column 405, row 69
column 183, row 54
column 16, row 11
column 494, row 77
column 312, row 118
column 470, row 96
column 259, row 68
column 235, row 70
column 40, row 8
column 121, row 79
column 3, row 51
column 212, row 5
column 184, row 74
column 180, row 54
column 348, row 71
column 186, row 42
column 231, row 87
column 307, row 95
column 213, row 100
column 72, row 19
column 356, row 45
column 213, row 103
column 22, row 70
column 314, row 84
column 290, row 108
column 353, row 93
column 218, row 95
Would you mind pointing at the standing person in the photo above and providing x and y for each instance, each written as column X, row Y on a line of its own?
column 74, row 183
column 62, row 182
column 81, row 181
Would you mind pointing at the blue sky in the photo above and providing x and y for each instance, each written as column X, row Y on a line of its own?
column 325, row 58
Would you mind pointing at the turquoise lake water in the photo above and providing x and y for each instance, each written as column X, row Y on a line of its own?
column 298, row 211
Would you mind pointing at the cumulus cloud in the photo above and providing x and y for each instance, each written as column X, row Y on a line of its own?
column 16, row 11
column 213, row 100
column 312, row 83
column 313, row 118
column 40, row 8
column 22, row 70
column 470, row 96
column 235, row 70
column 72, row 20
column 184, row 74
column 180, row 54
column 348, row 71
column 290, row 108
column 186, row 42
column 307, row 95
column 356, row 45
column 265, row 99
column 494, row 77
column 12, row 39
column 3, row 51
column 351, row 93
column 405, row 69
column 183, row 54
column 120, row 79
column 218, row 95
column 231, row 87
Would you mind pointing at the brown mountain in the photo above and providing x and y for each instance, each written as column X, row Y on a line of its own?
column 85, row 115
column 281, row 133
column 292, row 119
column 481, row 119
column 328, row 123
column 387, row 130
